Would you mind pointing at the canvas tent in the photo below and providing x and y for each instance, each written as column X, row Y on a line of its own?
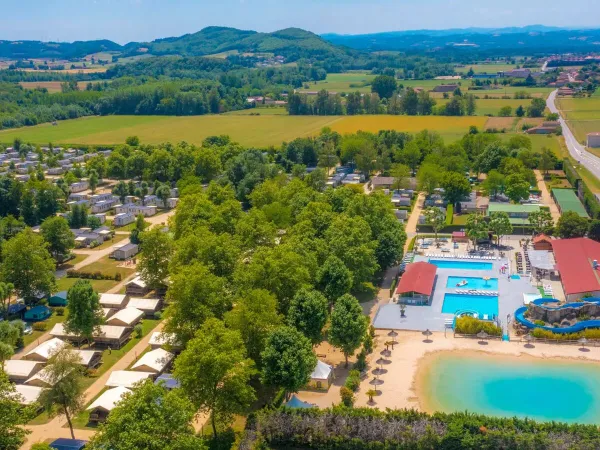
column 27, row 394
column 155, row 361
column 127, row 317
column 116, row 301
column 43, row 351
column 322, row 376
column 148, row 305
column 126, row 378
column 103, row 405
column 19, row 370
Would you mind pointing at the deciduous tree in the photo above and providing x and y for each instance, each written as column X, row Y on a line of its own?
column 157, row 251
column 500, row 225
column 308, row 313
column 571, row 225
column 540, row 221
column 214, row 372
column 334, row 279
column 348, row 325
column 85, row 312
column 58, row 235
column 13, row 416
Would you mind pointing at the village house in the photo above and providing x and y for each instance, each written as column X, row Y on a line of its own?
column 547, row 127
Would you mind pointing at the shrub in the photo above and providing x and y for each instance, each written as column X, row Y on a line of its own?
column 60, row 311
column 361, row 361
column 540, row 323
column 471, row 325
column 41, row 446
column 278, row 399
column 40, row 326
column 137, row 331
column 353, row 380
column 157, row 315
column 347, row 396
column 368, row 343
column 118, row 276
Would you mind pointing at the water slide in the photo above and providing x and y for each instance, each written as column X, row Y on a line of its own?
column 579, row 326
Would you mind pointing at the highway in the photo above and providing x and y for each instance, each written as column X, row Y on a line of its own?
column 577, row 151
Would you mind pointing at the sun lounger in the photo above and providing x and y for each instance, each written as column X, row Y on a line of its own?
column 485, row 317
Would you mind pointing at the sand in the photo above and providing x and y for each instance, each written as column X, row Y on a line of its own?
column 412, row 357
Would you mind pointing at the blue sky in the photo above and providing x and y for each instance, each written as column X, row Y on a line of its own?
column 142, row 20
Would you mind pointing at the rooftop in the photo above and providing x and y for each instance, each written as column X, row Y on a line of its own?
column 512, row 208
column 568, row 201
column 574, row 260
column 419, row 277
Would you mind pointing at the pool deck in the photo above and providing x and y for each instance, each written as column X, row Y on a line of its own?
column 419, row 318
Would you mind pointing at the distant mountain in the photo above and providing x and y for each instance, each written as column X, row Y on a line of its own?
column 534, row 38
column 213, row 40
column 58, row 50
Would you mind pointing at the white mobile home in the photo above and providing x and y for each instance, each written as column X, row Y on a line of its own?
column 123, row 219
column 125, row 252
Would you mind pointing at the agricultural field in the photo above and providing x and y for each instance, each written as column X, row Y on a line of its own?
column 266, row 111
column 492, row 106
column 343, row 82
column 260, row 131
column 580, row 108
column 488, row 68
column 52, row 86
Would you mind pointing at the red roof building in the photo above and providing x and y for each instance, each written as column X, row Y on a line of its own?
column 418, row 280
column 542, row 242
column 575, row 262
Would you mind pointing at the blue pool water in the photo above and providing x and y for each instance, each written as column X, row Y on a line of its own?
column 461, row 265
column 484, row 304
column 509, row 386
column 473, row 283
column 515, row 277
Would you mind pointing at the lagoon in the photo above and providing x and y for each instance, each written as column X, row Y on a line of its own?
column 498, row 385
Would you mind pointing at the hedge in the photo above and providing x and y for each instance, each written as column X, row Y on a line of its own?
column 372, row 429
column 592, row 333
column 471, row 325
column 449, row 214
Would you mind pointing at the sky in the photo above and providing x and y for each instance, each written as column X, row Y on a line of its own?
column 143, row 20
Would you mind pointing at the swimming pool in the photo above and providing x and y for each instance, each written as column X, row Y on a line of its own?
column 483, row 304
column 473, row 283
column 497, row 385
column 461, row 265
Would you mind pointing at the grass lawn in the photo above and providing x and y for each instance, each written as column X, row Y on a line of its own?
column 581, row 128
column 63, row 284
column 343, row 82
column 491, row 68
column 129, row 227
column 70, row 263
column 108, row 360
column 580, row 108
column 108, row 266
column 460, row 219
column 267, row 111
column 258, row 131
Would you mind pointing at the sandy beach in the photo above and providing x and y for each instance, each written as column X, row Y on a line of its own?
column 412, row 356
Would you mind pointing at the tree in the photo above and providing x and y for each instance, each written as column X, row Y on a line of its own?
column 93, row 181
column 14, row 416
column 537, row 107
column 436, row 219
column 411, row 155
column 288, row 360
column 594, row 230
column 85, row 312
column 571, row 225
column 456, row 187
column 540, row 220
column 505, row 111
column 254, row 316
column 58, row 235
column 348, row 325
column 152, row 418
column 308, row 313
column 334, row 279
column 194, row 296
column 157, row 251
column 401, row 174
column 494, row 183
column 547, row 161
column 517, row 187
column 500, row 225
column 10, row 334
column 214, row 372
column 163, row 193
column 140, row 225
column 65, row 393
column 121, row 191
column 132, row 141
column 6, row 292
column 429, row 177
column 520, row 111
column 27, row 264
column 476, row 228
column 384, row 86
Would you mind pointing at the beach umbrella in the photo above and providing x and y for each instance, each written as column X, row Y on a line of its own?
column 381, row 361
column 482, row 335
column 393, row 334
column 529, row 338
column 386, row 352
column 486, row 280
column 427, row 333
column 376, row 382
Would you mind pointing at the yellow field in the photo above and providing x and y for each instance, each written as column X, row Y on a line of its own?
column 52, row 86
column 259, row 131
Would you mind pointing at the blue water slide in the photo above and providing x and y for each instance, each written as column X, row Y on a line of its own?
column 579, row 326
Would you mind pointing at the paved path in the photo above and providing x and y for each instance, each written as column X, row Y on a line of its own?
column 413, row 219
column 577, row 151
column 546, row 197
column 57, row 427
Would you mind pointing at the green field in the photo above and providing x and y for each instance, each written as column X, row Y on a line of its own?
column 266, row 111
column 581, row 128
column 493, row 105
column 580, row 108
column 487, row 68
column 343, row 82
column 260, row 131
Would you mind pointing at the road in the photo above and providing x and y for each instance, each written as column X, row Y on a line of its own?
column 577, row 151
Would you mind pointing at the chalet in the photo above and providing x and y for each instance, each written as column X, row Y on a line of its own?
column 101, row 217
column 123, row 219
column 97, row 198
column 75, row 197
column 108, row 335
column 37, row 313
column 126, row 251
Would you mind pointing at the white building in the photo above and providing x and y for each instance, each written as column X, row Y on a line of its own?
column 155, row 361
column 593, row 140
column 114, row 301
column 136, row 210
column 127, row 317
column 103, row 206
column 126, row 378
column 80, row 186
column 123, row 219
column 125, row 252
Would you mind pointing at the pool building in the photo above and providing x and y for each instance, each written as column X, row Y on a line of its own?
column 434, row 290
